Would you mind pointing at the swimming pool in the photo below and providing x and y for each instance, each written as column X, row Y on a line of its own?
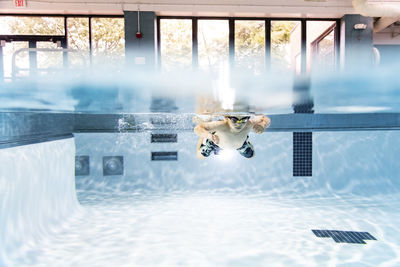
column 109, row 196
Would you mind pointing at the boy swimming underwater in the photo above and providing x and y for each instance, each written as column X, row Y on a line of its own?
column 230, row 133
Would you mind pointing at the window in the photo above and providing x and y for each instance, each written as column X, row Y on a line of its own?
column 259, row 44
column 285, row 45
column 176, row 44
column 321, row 47
column 51, row 60
column 108, row 42
column 213, row 45
column 19, row 25
column 21, row 60
column 45, row 35
column 78, row 39
column 250, row 45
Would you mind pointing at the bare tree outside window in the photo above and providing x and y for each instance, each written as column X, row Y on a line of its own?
column 250, row 45
column 18, row 25
column 213, row 45
column 176, row 44
column 78, row 39
column 49, row 61
column 285, row 45
column 108, row 42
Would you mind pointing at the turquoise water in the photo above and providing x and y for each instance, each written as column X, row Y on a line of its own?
column 214, row 212
column 97, row 91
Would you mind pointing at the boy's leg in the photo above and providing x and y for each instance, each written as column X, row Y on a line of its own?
column 205, row 149
column 198, row 150
column 246, row 150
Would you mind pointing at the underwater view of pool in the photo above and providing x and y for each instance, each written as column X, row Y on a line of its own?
column 121, row 184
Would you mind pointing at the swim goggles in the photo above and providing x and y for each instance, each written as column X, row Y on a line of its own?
column 237, row 120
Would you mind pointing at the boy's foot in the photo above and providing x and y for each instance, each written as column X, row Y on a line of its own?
column 205, row 148
column 198, row 150
column 246, row 150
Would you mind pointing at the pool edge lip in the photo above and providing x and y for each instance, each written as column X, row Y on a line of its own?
column 31, row 140
column 24, row 128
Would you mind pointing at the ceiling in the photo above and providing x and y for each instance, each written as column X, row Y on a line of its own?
column 234, row 8
column 220, row 8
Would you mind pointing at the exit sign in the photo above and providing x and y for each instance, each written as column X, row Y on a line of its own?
column 20, row 3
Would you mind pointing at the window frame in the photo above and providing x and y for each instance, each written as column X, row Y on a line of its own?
column 32, row 38
column 267, row 20
column 315, row 44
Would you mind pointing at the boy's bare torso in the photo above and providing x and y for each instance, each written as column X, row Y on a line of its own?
column 229, row 139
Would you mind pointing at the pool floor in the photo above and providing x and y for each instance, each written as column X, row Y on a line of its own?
column 219, row 229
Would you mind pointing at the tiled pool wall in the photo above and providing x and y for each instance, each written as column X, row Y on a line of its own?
column 346, row 157
column 361, row 163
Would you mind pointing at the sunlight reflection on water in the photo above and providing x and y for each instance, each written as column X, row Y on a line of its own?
column 208, row 229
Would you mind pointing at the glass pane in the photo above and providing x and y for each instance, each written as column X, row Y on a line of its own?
column 32, row 25
column 108, row 42
column 176, row 44
column 50, row 60
column 250, row 45
column 320, row 45
column 285, row 45
column 213, row 40
column 78, row 40
column 21, row 59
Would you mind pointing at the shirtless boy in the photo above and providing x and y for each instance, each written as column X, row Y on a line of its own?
column 230, row 133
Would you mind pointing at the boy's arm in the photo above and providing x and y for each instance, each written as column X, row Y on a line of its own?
column 260, row 122
column 204, row 129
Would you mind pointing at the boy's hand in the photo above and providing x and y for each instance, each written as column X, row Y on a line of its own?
column 258, row 128
column 214, row 138
column 260, row 123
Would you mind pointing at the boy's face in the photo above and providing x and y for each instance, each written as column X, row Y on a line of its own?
column 237, row 123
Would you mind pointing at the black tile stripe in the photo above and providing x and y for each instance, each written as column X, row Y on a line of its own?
column 164, row 155
column 347, row 237
column 367, row 236
column 353, row 238
column 164, row 138
column 321, row 233
column 318, row 233
column 350, row 237
column 357, row 236
column 337, row 236
column 302, row 153
column 325, row 233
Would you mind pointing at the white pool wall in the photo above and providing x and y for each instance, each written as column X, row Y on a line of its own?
column 37, row 192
